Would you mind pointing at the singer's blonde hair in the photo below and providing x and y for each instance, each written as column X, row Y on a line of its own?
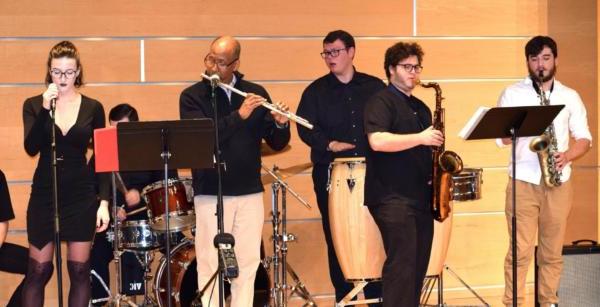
column 60, row 50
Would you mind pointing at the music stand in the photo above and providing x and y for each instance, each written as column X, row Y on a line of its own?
column 157, row 145
column 514, row 122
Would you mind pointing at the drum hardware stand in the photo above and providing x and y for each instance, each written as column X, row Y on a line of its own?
column 358, row 287
column 115, row 299
column 54, row 161
column 280, row 239
column 145, row 262
column 432, row 280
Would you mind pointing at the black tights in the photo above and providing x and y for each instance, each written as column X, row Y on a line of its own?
column 40, row 270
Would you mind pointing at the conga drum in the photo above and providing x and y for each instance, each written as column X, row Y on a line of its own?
column 355, row 235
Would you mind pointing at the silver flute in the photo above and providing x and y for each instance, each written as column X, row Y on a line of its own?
column 293, row 117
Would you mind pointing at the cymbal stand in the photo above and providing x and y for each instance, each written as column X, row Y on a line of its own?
column 148, row 257
column 115, row 300
column 279, row 291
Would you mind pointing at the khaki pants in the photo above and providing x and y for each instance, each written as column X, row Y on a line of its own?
column 243, row 218
column 545, row 211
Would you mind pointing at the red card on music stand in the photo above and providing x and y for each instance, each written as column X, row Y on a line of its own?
column 106, row 150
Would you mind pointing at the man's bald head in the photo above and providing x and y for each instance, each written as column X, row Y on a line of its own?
column 228, row 45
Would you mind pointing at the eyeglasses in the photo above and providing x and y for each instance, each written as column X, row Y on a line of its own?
column 411, row 68
column 211, row 61
column 69, row 74
column 331, row 53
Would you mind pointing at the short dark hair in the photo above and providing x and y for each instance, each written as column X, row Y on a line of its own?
column 342, row 35
column 121, row 111
column 60, row 50
column 535, row 45
column 400, row 51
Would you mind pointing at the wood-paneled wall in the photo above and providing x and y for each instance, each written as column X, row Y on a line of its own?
column 146, row 52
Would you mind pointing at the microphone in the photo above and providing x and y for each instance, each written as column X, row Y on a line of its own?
column 541, row 75
column 227, row 261
column 52, row 106
column 214, row 80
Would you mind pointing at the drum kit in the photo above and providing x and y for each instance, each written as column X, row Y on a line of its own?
column 143, row 238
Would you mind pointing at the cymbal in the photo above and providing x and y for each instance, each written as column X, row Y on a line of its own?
column 265, row 150
column 285, row 173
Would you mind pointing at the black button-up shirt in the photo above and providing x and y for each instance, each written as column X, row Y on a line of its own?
column 336, row 111
column 403, row 176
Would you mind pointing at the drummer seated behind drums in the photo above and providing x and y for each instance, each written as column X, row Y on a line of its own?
column 241, row 124
column 102, row 250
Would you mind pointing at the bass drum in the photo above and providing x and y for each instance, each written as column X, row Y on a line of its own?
column 184, row 279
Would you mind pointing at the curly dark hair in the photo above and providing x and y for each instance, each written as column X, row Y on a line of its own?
column 65, row 49
column 400, row 51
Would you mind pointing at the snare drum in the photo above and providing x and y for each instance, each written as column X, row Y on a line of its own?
column 181, row 209
column 137, row 235
column 467, row 184
column 355, row 235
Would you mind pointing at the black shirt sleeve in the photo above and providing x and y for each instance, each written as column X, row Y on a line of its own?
column 6, row 211
column 34, row 124
column 99, row 121
column 308, row 108
column 194, row 102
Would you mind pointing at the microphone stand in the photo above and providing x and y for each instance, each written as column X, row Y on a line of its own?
column 220, row 223
column 54, row 159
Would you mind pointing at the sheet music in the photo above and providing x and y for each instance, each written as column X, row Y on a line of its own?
column 472, row 123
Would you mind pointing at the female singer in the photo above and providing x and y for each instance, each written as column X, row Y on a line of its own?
column 76, row 117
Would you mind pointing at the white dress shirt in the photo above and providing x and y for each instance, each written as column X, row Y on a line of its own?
column 571, row 119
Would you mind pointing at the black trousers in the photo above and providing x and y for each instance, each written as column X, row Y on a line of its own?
column 13, row 259
column 372, row 290
column 407, row 235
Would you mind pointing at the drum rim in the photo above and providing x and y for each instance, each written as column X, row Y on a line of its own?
column 159, row 184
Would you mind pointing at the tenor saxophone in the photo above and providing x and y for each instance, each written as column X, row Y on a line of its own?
column 546, row 146
column 445, row 163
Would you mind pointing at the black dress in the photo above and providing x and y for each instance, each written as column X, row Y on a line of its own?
column 76, row 191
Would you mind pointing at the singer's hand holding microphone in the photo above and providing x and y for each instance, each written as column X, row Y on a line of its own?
column 50, row 93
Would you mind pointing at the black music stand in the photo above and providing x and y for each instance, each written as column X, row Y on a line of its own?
column 164, row 145
column 514, row 122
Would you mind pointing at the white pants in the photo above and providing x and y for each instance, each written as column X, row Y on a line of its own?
column 243, row 217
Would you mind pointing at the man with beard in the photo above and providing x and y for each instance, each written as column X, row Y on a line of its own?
column 541, row 208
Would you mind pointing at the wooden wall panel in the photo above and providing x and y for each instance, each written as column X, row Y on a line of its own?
column 481, row 18
column 275, row 59
column 102, row 60
column 575, row 24
column 204, row 18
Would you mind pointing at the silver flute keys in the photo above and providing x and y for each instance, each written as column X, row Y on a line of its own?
column 293, row 117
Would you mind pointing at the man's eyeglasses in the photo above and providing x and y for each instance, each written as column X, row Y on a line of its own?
column 411, row 68
column 331, row 53
column 211, row 61
column 69, row 74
